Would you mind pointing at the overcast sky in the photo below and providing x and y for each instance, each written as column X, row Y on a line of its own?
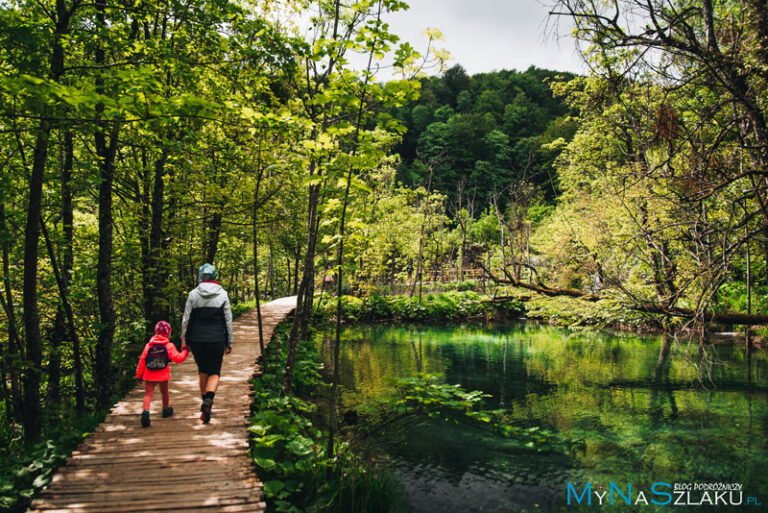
column 486, row 35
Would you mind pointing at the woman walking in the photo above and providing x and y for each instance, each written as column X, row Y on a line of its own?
column 207, row 329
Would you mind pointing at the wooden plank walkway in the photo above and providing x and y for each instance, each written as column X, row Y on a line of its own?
column 178, row 464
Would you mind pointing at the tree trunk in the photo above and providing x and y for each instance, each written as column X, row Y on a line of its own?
column 145, row 198
column 288, row 274
column 296, row 274
column 212, row 236
column 340, row 268
column 420, row 257
column 6, row 394
column 337, row 342
column 256, row 265
column 14, row 344
column 463, row 249
column 65, row 305
column 541, row 289
column 155, row 309
column 305, row 290
column 728, row 318
column 34, row 347
column 106, row 153
column 61, row 329
column 53, row 393
column 765, row 246
column 271, row 272
column 747, row 333
column 103, row 365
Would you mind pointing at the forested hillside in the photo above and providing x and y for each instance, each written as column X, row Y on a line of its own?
column 480, row 135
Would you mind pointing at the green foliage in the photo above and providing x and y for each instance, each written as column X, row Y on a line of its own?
column 239, row 309
column 482, row 131
column 445, row 306
column 486, row 229
column 426, row 395
column 462, row 305
column 733, row 294
column 635, row 191
column 459, row 286
column 26, row 469
column 289, row 451
column 613, row 312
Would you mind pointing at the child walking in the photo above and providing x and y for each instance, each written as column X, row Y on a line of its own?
column 154, row 368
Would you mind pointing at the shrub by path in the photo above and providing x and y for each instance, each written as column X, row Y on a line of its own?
column 178, row 464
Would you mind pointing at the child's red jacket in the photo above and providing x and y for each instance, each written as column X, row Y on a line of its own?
column 159, row 375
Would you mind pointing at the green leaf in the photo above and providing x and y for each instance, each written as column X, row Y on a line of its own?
column 265, row 463
column 270, row 440
column 273, row 487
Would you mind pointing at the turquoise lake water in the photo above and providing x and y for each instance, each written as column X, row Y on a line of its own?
column 645, row 409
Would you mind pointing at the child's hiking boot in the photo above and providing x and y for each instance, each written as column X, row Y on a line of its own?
column 145, row 419
column 206, row 409
column 167, row 412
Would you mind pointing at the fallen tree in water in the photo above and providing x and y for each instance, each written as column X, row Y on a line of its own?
column 728, row 318
column 710, row 317
column 540, row 288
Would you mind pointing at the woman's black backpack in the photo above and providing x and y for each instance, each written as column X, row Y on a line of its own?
column 157, row 357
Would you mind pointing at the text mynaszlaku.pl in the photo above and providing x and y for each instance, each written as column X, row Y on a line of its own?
column 661, row 494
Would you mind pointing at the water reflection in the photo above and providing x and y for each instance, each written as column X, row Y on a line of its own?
column 661, row 391
column 648, row 409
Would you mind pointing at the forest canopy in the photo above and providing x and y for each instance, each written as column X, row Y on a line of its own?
column 482, row 133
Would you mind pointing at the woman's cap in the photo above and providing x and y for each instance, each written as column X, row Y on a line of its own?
column 206, row 272
column 163, row 329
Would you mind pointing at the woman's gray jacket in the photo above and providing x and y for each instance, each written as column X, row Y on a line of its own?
column 207, row 315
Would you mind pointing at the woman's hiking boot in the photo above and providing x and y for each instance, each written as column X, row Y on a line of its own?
column 206, row 409
column 167, row 412
column 145, row 419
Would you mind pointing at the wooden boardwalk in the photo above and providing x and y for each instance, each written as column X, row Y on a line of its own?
column 178, row 464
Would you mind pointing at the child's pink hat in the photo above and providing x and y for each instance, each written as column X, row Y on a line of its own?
column 163, row 329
